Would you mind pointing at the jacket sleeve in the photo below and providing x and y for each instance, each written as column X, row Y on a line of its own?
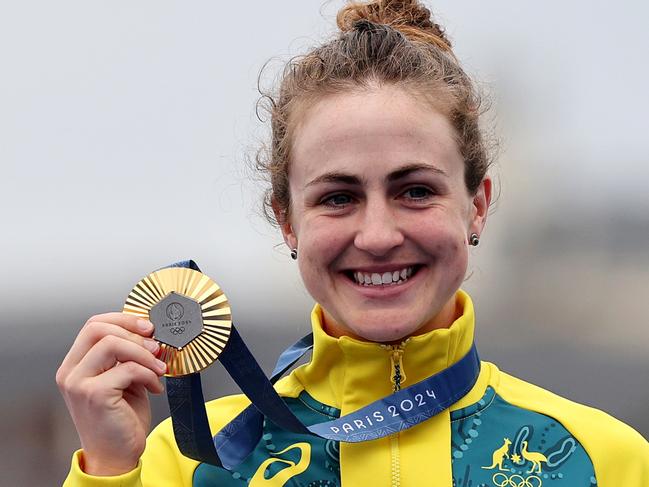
column 78, row 478
column 162, row 464
column 620, row 455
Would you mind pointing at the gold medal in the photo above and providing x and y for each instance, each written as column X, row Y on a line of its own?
column 190, row 313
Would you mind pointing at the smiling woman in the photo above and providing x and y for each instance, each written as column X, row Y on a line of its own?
column 379, row 184
column 377, row 191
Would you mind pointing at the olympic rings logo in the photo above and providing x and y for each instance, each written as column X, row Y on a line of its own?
column 502, row 480
column 177, row 330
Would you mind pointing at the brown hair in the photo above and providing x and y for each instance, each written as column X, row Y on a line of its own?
column 380, row 42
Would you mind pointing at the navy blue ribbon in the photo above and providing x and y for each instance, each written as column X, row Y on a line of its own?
column 401, row 410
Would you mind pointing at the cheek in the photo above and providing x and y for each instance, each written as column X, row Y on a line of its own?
column 317, row 256
column 447, row 246
column 445, row 240
column 319, row 245
column 454, row 257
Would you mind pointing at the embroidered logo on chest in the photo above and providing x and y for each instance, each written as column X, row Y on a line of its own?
column 526, row 459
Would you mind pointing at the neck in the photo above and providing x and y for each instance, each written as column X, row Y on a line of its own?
column 449, row 313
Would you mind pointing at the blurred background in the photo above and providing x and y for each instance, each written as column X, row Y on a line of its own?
column 125, row 130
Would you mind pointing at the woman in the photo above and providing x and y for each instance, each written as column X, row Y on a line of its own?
column 379, row 184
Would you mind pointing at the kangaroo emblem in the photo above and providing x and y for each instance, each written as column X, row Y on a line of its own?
column 499, row 455
column 535, row 457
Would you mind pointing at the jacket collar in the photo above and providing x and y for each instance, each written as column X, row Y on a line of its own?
column 348, row 374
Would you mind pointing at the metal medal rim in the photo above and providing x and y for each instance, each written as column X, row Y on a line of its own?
column 205, row 348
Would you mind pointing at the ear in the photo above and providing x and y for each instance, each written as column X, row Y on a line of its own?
column 283, row 219
column 480, row 209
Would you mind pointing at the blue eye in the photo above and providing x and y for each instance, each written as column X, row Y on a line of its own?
column 337, row 200
column 418, row 193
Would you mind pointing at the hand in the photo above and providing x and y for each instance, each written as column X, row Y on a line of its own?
column 104, row 380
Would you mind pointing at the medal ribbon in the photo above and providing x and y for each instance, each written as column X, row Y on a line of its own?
column 399, row 411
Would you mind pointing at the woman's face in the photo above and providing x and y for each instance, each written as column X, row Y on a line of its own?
column 380, row 213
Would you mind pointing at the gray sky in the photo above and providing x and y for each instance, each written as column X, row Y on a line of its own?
column 125, row 127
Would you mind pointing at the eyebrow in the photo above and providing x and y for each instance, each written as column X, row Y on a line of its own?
column 400, row 173
column 408, row 169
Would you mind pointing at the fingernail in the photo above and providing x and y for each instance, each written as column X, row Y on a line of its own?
column 161, row 365
column 151, row 345
column 144, row 325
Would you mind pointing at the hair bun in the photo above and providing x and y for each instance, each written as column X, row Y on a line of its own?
column 410, row 17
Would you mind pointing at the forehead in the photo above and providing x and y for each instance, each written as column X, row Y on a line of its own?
column 369, row 131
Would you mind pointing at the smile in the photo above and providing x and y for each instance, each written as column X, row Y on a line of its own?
column 387, row 278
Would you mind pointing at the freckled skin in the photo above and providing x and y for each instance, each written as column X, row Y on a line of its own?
column 379, row 218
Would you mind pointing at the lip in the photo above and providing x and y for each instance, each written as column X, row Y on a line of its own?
column 384, row 292
column 381, row 268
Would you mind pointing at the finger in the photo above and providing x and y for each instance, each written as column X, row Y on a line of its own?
column 132, row 323
column 95, row 331
column 112, row 349
column 128, row 374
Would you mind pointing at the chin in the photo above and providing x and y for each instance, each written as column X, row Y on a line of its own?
column 390, row 323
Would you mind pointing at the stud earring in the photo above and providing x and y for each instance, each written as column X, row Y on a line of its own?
column 294, row 254
column 474, row 239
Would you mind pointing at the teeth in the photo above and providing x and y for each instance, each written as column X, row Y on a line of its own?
column 386, row 278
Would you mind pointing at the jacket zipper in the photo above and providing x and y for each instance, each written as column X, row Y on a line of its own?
column 397, row 377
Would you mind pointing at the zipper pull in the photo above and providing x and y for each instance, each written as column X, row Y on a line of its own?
column 397, row 373
column 396, row 360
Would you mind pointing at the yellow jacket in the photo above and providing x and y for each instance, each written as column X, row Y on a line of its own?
column 503, row 432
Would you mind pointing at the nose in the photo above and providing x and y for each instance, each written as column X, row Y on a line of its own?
column 378, row 230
